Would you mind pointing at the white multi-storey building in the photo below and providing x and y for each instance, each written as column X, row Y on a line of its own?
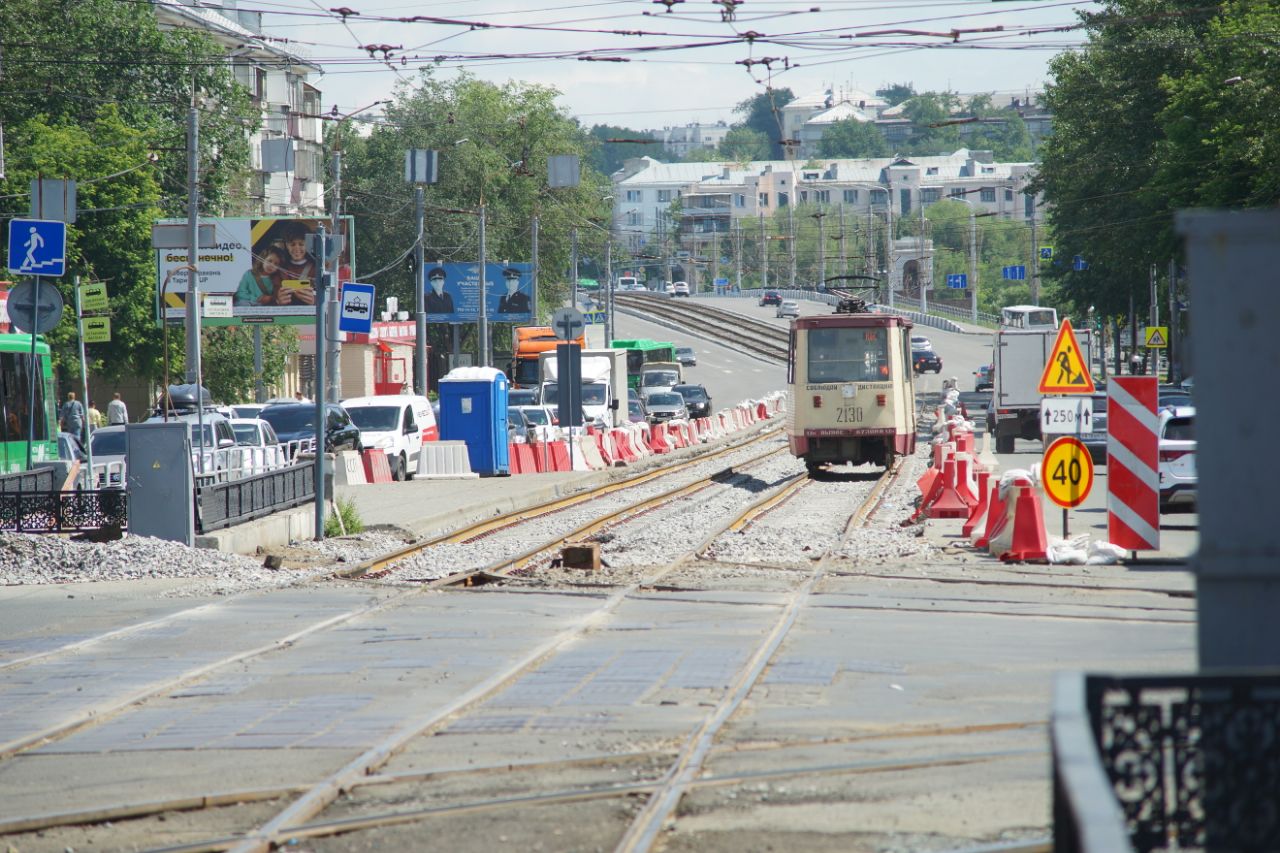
column 681, row 140
column 277, row 80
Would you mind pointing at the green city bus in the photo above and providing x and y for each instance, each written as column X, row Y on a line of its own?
column 15, row 399
column 642, row 351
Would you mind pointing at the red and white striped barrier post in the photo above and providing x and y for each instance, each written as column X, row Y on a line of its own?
column 1133, row 463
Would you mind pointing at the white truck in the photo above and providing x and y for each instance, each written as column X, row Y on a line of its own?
column 604, row 385
column 1019, row 357
column 660, row 376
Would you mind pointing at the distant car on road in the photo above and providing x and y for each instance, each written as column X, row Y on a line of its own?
column 982, row 380
column 297, row 422
column 920, row 342
column 636, row 412
column 680, row 288
column 788, row 308
column 1096, row 441
column 771, row 297
column 686, row 356
column 926, row 359
column 1178, row 480
column 665, row 406
column 696, row 400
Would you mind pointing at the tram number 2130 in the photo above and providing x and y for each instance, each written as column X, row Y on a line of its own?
column 849, row 415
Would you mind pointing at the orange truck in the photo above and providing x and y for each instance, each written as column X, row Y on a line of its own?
column 529, row 343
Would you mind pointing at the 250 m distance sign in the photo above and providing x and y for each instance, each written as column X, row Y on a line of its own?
column 1067, row 472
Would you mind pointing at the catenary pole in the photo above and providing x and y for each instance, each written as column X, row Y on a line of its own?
column 318, row 382
column 195, row 369
column 484, row 296
column 419, row 295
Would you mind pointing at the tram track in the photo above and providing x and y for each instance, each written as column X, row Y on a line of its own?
column 741, row 332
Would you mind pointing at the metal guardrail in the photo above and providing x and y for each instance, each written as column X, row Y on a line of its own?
column 1167, row 762
column 49, row 511
column 224, row 504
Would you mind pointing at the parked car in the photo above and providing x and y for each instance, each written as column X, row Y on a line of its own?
column 540, row 422
column 1172, row 396
column 517, row 426
column 665, row 406
column 788, row 308
column 398, row 424
column 295, row 422
column 926, row 359
column 108, row 445
column 246, row 410
column 686, row 356
column 771, row 297
column 257, row 445
column 696, row 400
column 69, row 447
column 636, row 412
column 522, row 397
column 680, row 288
column 982, row 379
column 210, row 448
column 1178, row 479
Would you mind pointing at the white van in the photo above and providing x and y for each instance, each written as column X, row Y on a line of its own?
column 396, row 423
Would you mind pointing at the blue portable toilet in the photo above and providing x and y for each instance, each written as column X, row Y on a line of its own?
column 473, row 409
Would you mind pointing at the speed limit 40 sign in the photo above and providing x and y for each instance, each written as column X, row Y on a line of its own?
column 1067, row 472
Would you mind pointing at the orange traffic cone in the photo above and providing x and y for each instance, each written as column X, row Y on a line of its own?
column 1029, row 539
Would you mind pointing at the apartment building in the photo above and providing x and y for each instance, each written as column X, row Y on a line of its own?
column 287, row 150
column 681, row 140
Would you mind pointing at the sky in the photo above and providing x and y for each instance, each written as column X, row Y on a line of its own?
column 687, row 65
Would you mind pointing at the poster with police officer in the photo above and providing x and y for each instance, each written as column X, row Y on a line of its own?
column 453, row 292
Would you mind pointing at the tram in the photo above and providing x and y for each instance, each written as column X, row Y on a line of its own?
column 852, row 398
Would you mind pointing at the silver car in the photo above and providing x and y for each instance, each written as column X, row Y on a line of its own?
column 665, row 406
column 789, row 308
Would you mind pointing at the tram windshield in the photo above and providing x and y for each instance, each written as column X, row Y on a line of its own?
column 848, row 355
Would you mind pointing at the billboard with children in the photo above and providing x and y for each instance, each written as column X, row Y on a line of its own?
column 453, row 292
column 265, row 265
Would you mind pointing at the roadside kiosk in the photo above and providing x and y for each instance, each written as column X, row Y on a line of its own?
column 473, row 409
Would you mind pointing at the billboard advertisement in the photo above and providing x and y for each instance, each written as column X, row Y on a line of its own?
column 265, row 265
column 453, row 292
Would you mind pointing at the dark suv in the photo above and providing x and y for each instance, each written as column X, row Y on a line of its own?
column 297, row 422
column 926, row 359
column 771, row 297
column 696, row 400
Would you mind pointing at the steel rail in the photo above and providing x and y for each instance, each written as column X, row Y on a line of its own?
column 645, row 828
column 740, row 332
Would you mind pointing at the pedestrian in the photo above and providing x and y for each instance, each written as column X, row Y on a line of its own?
column 1135, row 364
column 96, row 418
column 117, row 411
column 73, row 416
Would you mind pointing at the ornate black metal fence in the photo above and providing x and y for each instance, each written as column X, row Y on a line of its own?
column 1185, row 761
column 63, row 512
column 221, row 505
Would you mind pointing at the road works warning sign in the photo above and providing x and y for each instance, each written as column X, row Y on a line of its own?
column 1066, row 372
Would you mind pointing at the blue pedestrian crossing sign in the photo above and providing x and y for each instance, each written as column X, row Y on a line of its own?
column 1015, row 273
column 1046, row 253
column 957, row 281
column 37, row 247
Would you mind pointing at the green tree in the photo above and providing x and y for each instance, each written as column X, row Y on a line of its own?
column 1221, row 139
column 494, row 142
column 930, row 113
column 743, row 144
column 607, row 157
column 763, row 114
column 1097, row 168
column 853, row 138
column 897, row 93
column 227, row 359
column 108, row 108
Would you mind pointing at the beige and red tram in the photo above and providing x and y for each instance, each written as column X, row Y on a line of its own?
column 852, row 399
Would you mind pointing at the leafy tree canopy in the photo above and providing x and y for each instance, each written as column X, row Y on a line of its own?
column 897, row 93
column 763, row 114
column 607, row 157
column 108, row 109
column 742, row 144
column 853, row 138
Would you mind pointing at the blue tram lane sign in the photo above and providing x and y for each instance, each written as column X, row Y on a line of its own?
column 38, row 247
column 1014, row 273
column 957, row 281
column 356, row 308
